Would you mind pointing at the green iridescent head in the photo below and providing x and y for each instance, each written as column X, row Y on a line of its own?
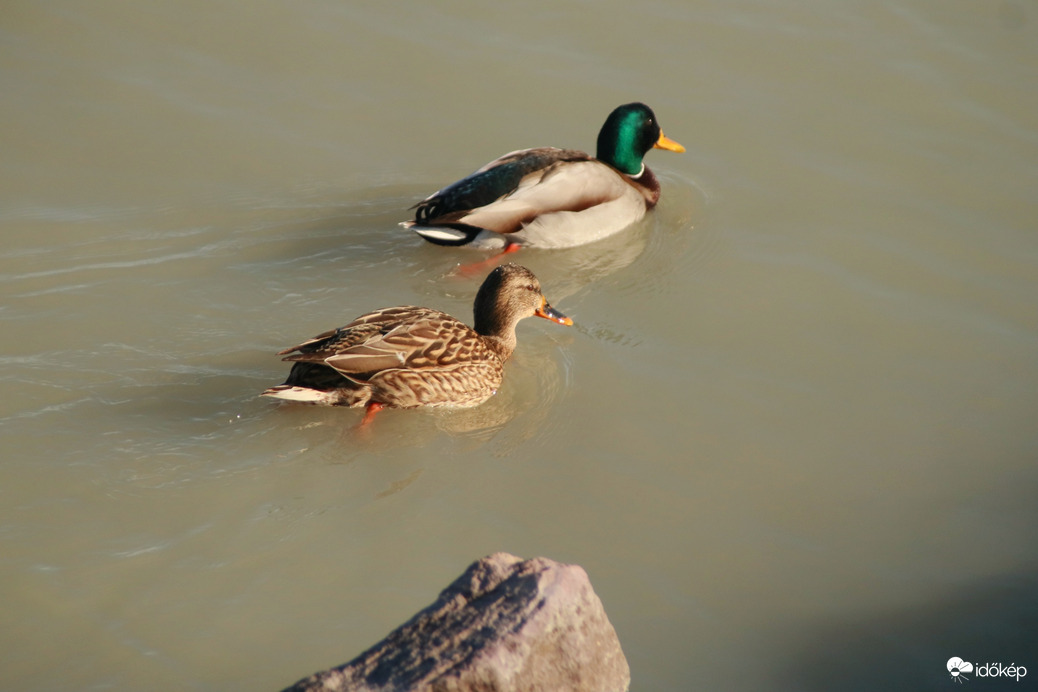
column 628, row 134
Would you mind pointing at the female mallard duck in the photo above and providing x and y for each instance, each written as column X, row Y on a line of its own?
column 406, row 357
column 548, row 197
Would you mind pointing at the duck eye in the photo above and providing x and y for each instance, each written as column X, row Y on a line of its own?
column 529, row 287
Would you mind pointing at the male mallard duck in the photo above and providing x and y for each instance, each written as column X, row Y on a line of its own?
column 548, row 197
column 406, row 357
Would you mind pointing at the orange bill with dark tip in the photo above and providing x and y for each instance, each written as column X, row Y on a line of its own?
column 667, row 143
column 549, row 313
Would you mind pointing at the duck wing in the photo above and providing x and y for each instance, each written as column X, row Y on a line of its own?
column 424, row 339
column 358, row 331
column 570, row 186
column 516, row 188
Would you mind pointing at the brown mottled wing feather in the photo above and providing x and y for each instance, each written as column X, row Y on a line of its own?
column 358, row 331
column 403, row 357
column 435, row 341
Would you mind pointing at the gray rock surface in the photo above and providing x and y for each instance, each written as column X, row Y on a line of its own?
column 506, row 624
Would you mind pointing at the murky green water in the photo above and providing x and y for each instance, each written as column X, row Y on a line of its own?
column 791, row 437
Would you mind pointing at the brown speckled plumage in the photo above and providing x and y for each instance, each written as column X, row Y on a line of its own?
column 407, row 357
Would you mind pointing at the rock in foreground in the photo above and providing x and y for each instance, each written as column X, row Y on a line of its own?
column 506, row 624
